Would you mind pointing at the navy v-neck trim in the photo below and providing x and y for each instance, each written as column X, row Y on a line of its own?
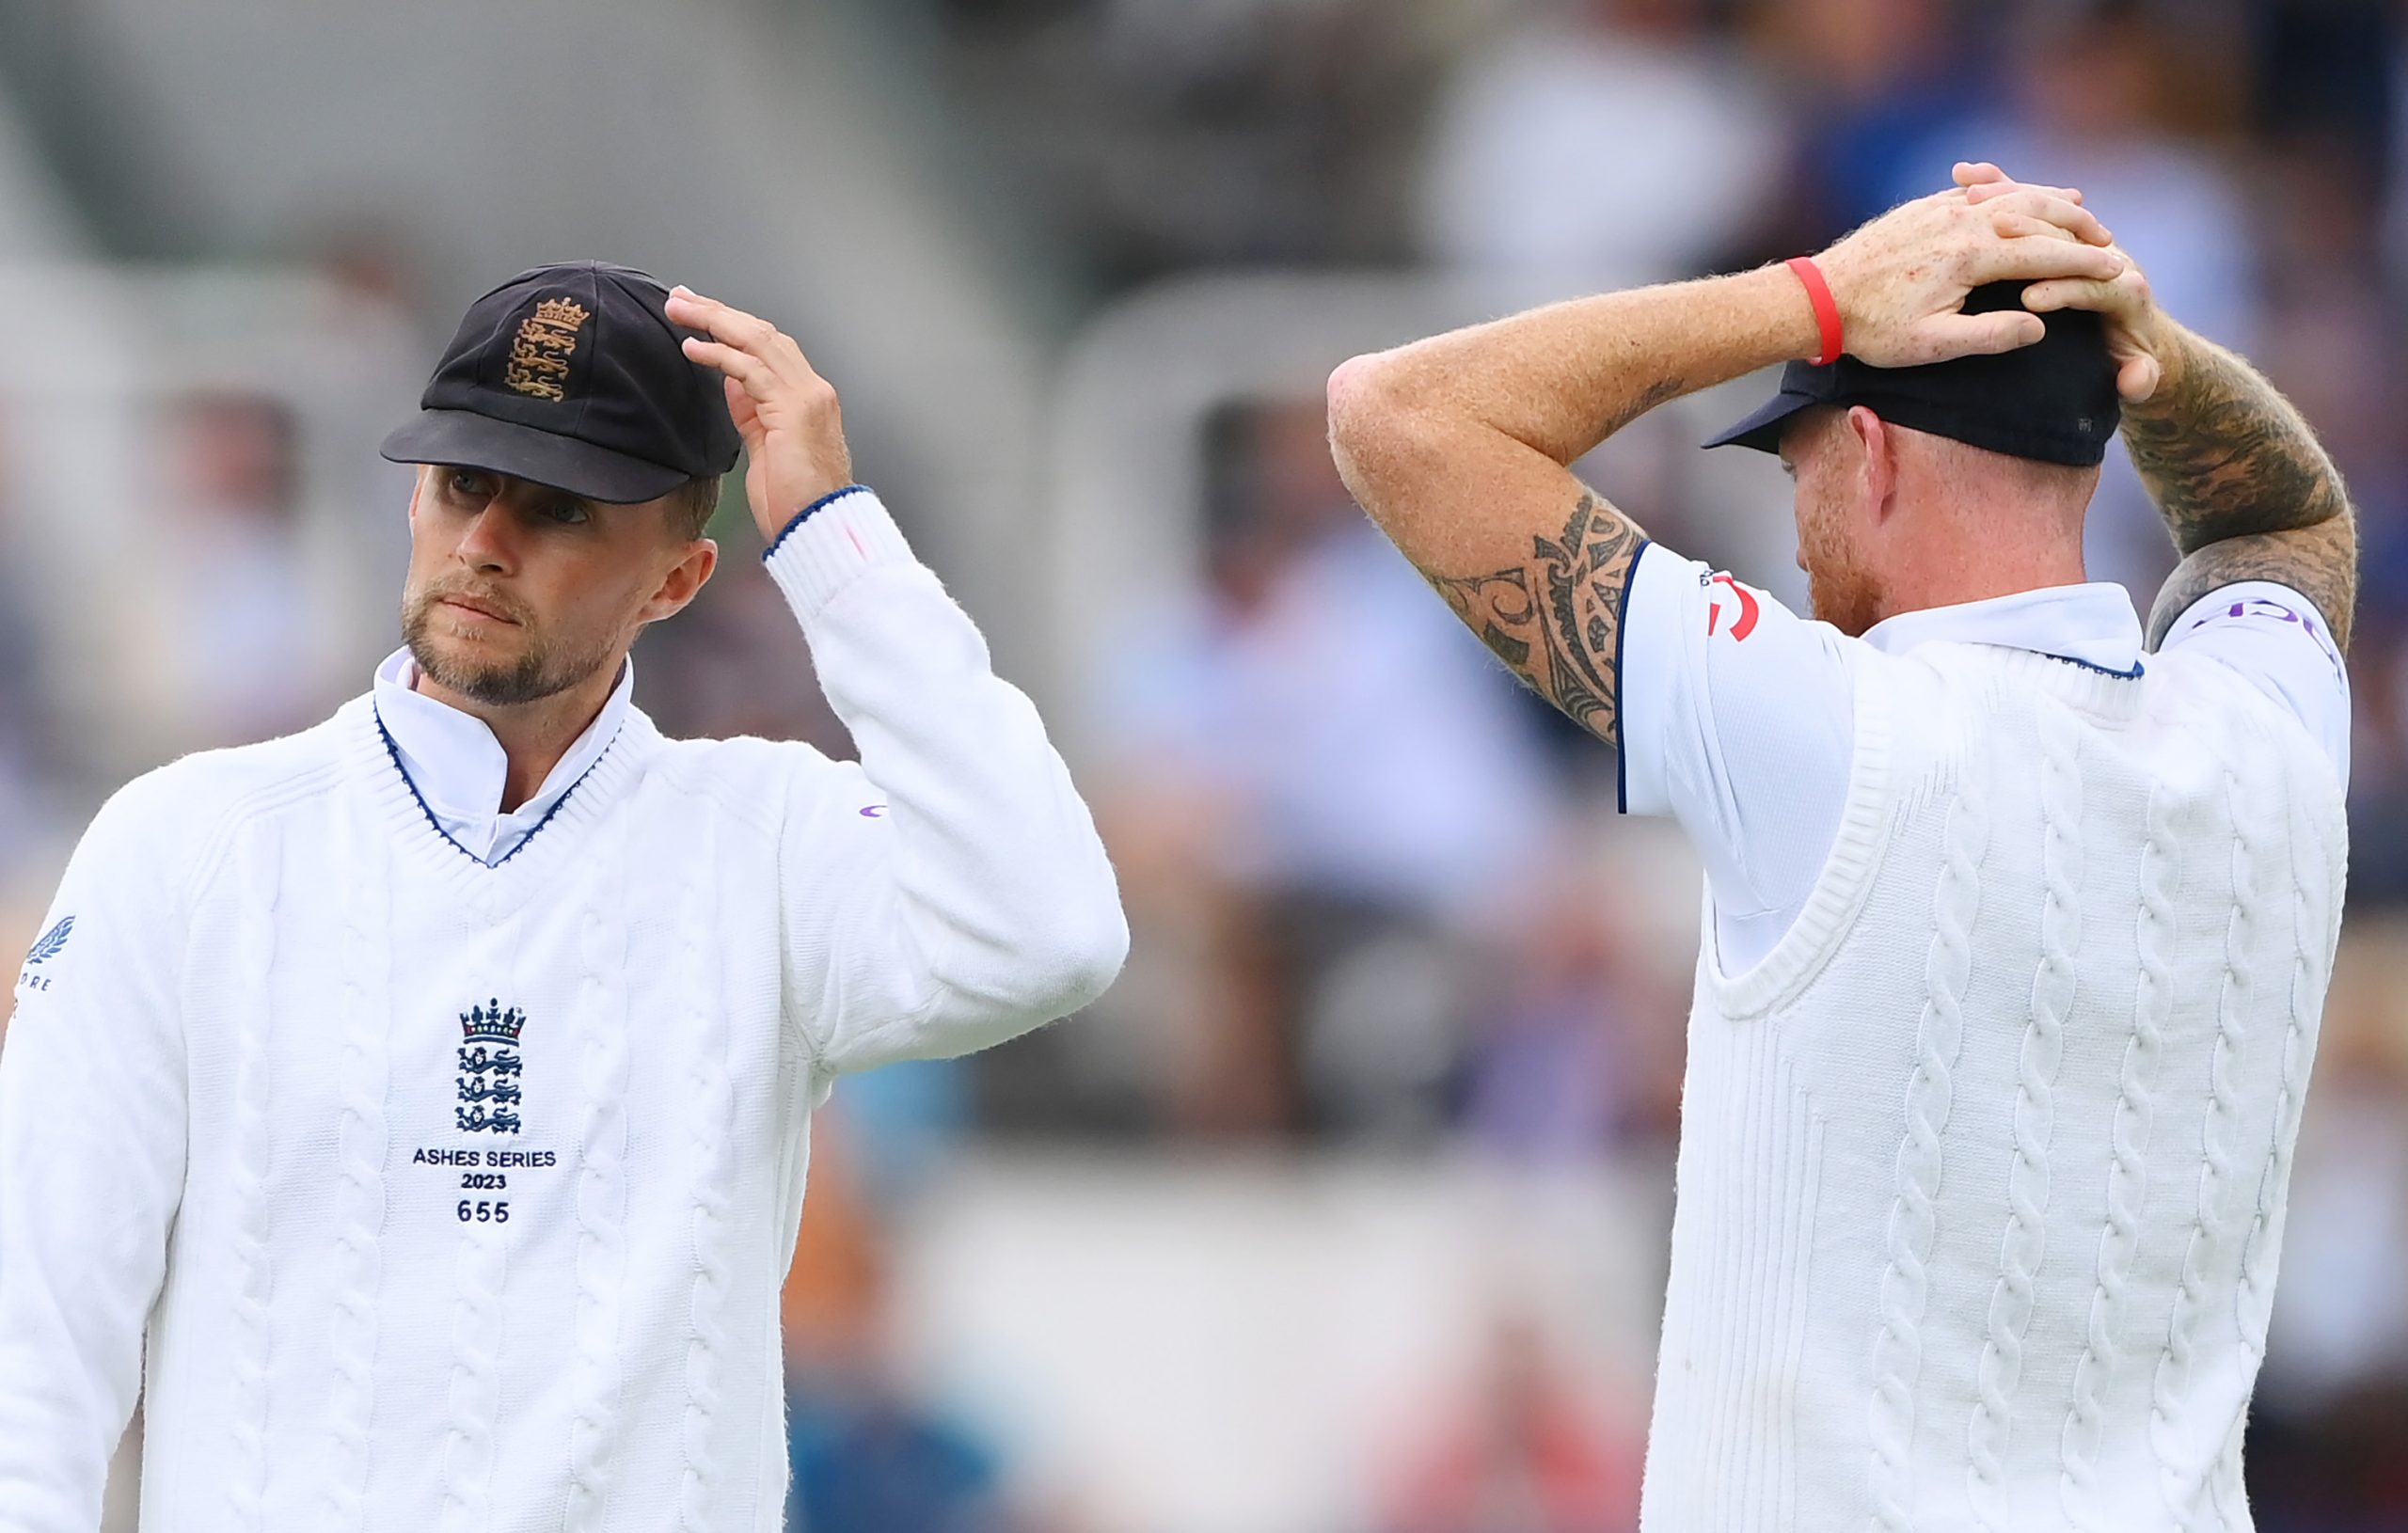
column 393, row 753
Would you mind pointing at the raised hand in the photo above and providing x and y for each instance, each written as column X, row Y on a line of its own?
column 1901, row 280
column 2136, row 332
column 787, row 414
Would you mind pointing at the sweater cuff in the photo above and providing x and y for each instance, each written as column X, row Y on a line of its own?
column 832, row 542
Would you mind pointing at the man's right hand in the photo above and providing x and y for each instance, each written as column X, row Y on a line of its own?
column 2139, row 338
column 1901, row 280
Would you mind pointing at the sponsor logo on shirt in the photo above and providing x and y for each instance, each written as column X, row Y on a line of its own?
column 45, row 948
column 2266, row 610
column 490, row 1069
column 1744, row 599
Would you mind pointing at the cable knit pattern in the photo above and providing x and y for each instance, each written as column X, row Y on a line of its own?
column 2181, row 1476
column 709, row 1109
column 2136, row 1084
column 1897, row 1350
column 252, row 1056
column 361, row 1144
column 260, row 881
column 477, row 1271
column 2042, row 1046
column 2261, row 1248
column 601, row 1201
column 2052, row 994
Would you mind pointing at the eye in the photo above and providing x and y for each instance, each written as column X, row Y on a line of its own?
column 569, row 512
column 466, row 484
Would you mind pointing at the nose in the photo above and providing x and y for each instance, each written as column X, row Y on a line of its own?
column 485, row 543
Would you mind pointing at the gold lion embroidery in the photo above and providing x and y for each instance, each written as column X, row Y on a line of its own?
column 546, row 340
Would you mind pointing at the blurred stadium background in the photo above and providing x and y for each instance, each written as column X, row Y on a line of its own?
column 1346, row 1212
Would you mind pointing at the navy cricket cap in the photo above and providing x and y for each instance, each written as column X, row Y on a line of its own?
column 573, row 376
column 2054, row 401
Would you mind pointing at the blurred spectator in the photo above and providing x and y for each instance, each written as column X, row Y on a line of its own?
column 868, row 1456
column 1523, row 1452
column 1557, row 1070
column 1324, row 785
column 1871, row 80
column 1600, row 143
column 234, row 644
column 734, row 663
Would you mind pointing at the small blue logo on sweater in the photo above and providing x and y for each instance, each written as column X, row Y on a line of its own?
column 491, row 1069
column 53, row 939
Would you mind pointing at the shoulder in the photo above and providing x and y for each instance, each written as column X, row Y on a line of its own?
column 175, row 818
column 2260, row 645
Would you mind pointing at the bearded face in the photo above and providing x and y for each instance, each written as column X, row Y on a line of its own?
column 517, row 592
column 481, row 644
column 1841, row 586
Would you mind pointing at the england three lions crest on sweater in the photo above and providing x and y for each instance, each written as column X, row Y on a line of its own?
column 418, row 1191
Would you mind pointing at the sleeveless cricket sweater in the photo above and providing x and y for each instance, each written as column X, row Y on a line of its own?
column 1982, row 1169
column 458, row 1197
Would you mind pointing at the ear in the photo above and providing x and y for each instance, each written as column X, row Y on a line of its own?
column 1877, row 461
column 683, row 582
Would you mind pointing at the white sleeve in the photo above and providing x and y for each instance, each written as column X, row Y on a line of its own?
column 92, row 1137
column 2277, row 639
column 1737, row 720
column 970, row 899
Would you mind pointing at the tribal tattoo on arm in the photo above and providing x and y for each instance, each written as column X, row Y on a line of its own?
column 2245, row 488
column 1555, row 618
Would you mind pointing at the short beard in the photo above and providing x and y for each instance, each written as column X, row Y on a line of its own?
column 533, row 676
column 1847, row 597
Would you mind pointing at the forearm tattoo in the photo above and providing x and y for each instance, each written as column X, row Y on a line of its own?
column 1556, row 619
column 2240, row 478
column 2321, row 562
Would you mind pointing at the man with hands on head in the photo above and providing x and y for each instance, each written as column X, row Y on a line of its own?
column 415, row 1109
column 2019, row 918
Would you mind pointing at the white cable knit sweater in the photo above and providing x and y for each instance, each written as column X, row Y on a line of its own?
column 1982, row 1170
column 459, row 1197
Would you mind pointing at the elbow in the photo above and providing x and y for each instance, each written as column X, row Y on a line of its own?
column 1062, row 955
column 1368, row 408
column 1086, row 954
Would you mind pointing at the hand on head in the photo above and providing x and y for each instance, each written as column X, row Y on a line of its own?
column 787, row 414
column 1901, row 280
column 2124, row 300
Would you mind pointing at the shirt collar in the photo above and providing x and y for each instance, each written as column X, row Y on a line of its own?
column 457, row 766
column 2091, row 625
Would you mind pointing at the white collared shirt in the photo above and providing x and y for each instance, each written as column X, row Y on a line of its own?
column 458, row 770
column 1737, row 712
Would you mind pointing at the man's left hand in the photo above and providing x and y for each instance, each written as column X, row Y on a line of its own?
column 787, row 414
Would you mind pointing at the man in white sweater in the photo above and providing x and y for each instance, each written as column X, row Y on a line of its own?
column 2017, row 926
column 415, row 1110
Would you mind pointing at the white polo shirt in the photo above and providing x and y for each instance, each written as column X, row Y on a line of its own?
column 1737, row 712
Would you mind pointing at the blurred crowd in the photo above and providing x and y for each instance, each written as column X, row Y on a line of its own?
column 1382, row 901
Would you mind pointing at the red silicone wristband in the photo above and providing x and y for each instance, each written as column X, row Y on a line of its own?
column 1827, row 308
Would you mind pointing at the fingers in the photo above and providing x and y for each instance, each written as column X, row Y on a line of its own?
column 1982, row 181
column 2036, row 258
column 735, row 331
column 1984, row 335
column 2104, row 297
column 742, row 367
column 2137, row 379
column 2047, row 204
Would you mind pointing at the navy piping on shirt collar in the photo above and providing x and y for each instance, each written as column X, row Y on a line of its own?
column 2134, row 674
column 1621, row 640
column 805, row 514
column 394, row 753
